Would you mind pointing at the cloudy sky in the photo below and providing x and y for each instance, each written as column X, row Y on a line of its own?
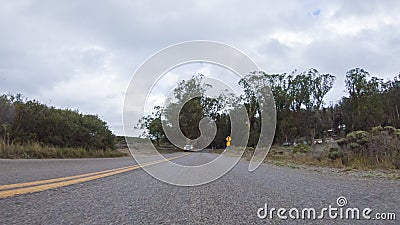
column 82, row 54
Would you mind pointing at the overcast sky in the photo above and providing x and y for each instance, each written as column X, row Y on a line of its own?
column 82, row 54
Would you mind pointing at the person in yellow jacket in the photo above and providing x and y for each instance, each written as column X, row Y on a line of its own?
column 228, row 141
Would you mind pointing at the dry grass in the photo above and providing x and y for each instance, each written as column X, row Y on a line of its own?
column 38, row 151
column 319, row 157
column 315, row 156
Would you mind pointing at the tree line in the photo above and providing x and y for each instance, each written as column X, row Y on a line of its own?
column 302, row 115
column 29, row 121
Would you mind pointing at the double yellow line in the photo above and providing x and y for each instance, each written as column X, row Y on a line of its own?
column 10, row 190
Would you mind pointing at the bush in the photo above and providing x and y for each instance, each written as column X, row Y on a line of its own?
column 335, row 153
column 24, row 121
column 359, row 137
column 341, row 141
column 379, row 148
column 377, row 130
column 396, row 160
column 390, row 130
column 397, row 133
column 302, row 148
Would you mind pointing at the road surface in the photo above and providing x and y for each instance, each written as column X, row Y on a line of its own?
column 134, row 197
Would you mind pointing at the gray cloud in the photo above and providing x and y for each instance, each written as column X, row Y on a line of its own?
column 82, row 54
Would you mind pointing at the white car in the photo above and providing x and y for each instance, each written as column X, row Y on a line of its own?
column 188, row 147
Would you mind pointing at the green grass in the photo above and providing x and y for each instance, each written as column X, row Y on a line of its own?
column 38, row 151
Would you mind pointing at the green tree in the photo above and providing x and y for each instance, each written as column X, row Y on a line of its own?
column 357, row 85
column 152, row 124
column 31, row 121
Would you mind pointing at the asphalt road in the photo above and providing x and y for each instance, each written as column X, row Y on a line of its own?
column 134, row 197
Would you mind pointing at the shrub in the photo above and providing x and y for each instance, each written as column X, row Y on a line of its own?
column 377, row 130
column 301, row 148
column 335, row 153
column 396, row 160
column 390, row 130
column 379, row 148
column 359, row 137
column 341, row 141
column 397, row 133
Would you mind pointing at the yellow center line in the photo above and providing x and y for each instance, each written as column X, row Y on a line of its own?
column 18, row 185
column 65, row 181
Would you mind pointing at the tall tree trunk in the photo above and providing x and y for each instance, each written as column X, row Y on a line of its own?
column 312, row 136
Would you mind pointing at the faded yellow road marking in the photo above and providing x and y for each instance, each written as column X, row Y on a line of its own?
column 65, row 181
column 18, row 185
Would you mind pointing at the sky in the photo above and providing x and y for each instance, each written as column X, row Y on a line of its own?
column 82, row 54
